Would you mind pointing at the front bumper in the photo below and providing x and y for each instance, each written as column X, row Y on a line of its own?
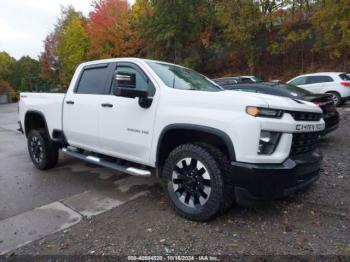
column 346, row 98
column 264, row 182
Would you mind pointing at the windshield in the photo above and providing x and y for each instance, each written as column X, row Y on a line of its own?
column 294, row 90
column 183, row 78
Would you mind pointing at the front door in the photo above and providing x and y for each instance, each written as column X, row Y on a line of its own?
column 126, row 128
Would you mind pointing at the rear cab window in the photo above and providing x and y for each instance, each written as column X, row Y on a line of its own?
column 93, row 80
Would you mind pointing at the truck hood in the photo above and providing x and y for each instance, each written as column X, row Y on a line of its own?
column 272, row 101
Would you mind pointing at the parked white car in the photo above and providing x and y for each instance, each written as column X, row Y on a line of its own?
column 335, row 83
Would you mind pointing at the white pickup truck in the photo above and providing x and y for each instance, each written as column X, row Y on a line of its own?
column 209, row 146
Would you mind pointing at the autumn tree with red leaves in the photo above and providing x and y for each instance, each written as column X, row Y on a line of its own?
column 48, row 60
column 110, row 30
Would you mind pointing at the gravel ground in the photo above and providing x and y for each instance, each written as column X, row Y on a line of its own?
column 315, row 222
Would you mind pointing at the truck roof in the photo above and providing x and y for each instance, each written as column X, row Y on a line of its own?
column 121, row 59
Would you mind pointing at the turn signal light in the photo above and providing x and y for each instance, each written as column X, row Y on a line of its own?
column 264, row 112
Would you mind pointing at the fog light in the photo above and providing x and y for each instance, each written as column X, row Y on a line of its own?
column 268, row 142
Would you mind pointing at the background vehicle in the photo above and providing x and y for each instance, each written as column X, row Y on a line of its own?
column 335, row 83
column 232, row 80
column 208, row 145
column 324, row 101
column 254, row 78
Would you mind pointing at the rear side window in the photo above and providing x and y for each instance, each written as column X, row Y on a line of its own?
column 318, row 79
column 345, row 77
column 93, row 80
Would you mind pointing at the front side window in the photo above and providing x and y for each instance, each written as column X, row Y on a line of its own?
column 299, row 81
column 141, row 81
column 93, row 80
column 183, row 78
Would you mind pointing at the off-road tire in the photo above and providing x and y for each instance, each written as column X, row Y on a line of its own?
column 208, row 156
column 228, row 173
column 48, row 152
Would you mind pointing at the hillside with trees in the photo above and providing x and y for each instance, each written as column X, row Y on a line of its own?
column 276, row 39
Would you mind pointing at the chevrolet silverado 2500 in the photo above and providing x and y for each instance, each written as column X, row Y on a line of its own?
column 209, row 146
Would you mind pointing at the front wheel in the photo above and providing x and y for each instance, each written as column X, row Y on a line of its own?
column 194, row 182
column 42, row 151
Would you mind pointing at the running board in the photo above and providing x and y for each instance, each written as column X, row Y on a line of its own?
column 98, row 161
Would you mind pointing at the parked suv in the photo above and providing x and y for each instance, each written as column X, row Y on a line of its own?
column 335, row 83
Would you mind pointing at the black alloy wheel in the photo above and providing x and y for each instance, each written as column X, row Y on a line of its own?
column 42, row 150
column 191, row 182
column 36, row 149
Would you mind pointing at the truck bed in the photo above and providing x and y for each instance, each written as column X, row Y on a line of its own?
column 49, row 104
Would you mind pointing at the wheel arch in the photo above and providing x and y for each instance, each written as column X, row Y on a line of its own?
column 34, row 119
column 176, row 134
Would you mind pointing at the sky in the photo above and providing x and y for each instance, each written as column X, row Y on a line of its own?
column 24, row 24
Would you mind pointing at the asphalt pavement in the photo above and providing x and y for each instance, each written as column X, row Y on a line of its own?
column 35, row 203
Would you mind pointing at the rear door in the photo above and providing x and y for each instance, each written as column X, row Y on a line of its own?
column 126, row 128
column 81, row 107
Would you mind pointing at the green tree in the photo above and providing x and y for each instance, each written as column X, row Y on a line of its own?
column 7, row 89
column 26, row 75
column 241, row 22
column 6, row 65
column 331, row 23
column 72, row 43
column 140, row 19
column 178, row 31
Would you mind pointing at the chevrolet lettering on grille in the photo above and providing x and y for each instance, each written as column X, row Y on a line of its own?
column 309, row 127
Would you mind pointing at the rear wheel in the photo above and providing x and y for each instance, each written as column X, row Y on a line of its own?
column 194, row 182
column 42, row 151
column 336, row 98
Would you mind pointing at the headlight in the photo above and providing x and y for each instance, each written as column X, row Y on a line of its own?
column 264, row 112
column 268, row 142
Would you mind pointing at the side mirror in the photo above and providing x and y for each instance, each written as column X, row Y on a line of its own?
column 125, row 85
